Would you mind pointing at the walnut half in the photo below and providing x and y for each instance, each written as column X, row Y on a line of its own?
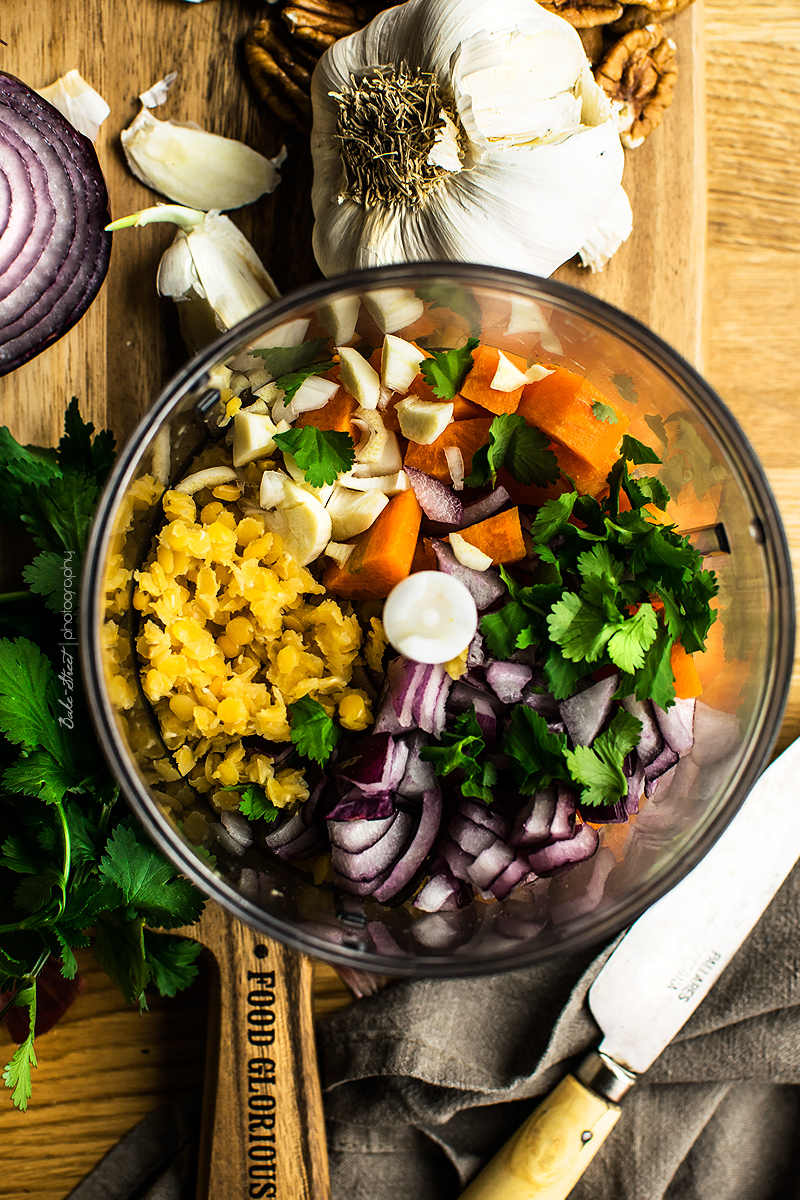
column 639, row 73
column 583, row 14
column 636, row 16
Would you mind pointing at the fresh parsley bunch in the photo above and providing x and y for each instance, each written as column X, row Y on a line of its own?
column 72, row 859
column 616, row 589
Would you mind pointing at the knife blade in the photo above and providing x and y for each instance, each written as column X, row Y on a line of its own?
column 660, row 972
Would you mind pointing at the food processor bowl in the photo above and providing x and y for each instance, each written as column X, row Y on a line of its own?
column 720, row 499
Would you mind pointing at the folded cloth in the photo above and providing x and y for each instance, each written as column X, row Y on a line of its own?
column 424, row 1083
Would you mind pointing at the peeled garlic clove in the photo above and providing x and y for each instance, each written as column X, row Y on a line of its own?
column 467, row 554
column 390, row 485
column 374, row 435
column 196, row 168
column 339, row 552
column 430, row 617
column 389, row 463
column 400, row 362
column 359, row 378
column 253, row 437
column 423, row 421
column 75, row 99
column 313, row 394
column 211, row 477
column 340, row 317
column 394, row 308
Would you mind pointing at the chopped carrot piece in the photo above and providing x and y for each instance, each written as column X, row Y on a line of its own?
column 589, row 480
column 424, row 558
column 465, row 410
column 499, row 536
column 561, row 405
column 687, row 681
column 382, row 555
column 335, row 415
column 468, row 436
column 478, row 384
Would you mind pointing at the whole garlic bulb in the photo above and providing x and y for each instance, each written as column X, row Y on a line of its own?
column 460, row 129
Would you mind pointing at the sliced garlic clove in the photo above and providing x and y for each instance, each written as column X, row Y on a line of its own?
column 430, row 617
column 507, row 377
column 339, row 552
column 303, row 524
column 196, row 168
column 400, row 363
column 455, row 465
column 394, row 308
column 75, row 99
column 253, row 437
column 340, row 317
column 374, row 435
column 467, row 554
column 537, row 372
column 389, row 463
column 359, row 378
column 423, row 421
column 390, row 485
column 313, row 394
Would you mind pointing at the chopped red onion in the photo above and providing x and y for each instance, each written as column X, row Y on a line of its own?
column 354, row 805
column 419, row 776
column 677, row 725
column 384, row 853
column 561, row 854
column 457, row 859
column 716, row 734
column 508, row 679
column 357, row 835
column 516, row 871
column 435, row 498
column 532, row 823
column 442, row 893
column 487, row 506
column 472, row 838
column 490, row 863
column 306, row 844
column 585, row 714
column 414, row 698
column 418, row 850
column 375, row 765
column 485, row 587
column 651, row 743
column 563, row 825
column 482, row 815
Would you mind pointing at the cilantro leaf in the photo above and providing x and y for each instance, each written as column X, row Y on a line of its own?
column 284, row 360
column 552, row 518
column 604, row 412
column 255, row 803
column 519, row 447
column 22, row 468
column 313, row 732
column 79, row 452
column 624, row 385
column 446, row 370
column 148, row 882
column 119, row 949
column 655, row 680
column 17, row 1074
column 47, row 577
column 321, row 454
column 172, row 961
column 537, row 754
column 459, row 750
column 636, row 451
column 30, row 704
column 630, row 641
column 599, row 767
column 39, row 775
column 580, row 629
column 503, row 629
column 59, row 515
column 291, row 383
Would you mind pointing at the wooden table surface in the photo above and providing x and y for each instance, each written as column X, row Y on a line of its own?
column 103, row 1067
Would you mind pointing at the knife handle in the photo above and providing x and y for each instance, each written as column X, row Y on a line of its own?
column 548, row 1154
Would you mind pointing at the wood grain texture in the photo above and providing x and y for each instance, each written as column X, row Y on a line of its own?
column 94, row 1081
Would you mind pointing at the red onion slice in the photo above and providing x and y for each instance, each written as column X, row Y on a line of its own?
column 54, row 250
column 369, row 863
column 418, row 850
column 561, row 854
column 435, row 498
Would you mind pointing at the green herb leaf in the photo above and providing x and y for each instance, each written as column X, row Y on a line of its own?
column 521, row 448
column 79, row 452
column 172, row 961
column 30, row 703
column 637, row 452
column 284, row 360
column 580, row 629
column 460, row 749
column 17, row 1074
column 447, row 369
column 40, row 775
column 47, row 577
column 553, row 517
column 148, row 882
column 537, row 754
column 313, row 732
column 599, row 767
column 624, row 385
column 22, row 469
column 321, row 454
column 290, row 383
column 604, row 412
column 59, row 515
column 119, row 949
column 255, row 803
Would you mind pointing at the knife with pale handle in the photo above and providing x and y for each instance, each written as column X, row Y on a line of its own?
column 663, row 968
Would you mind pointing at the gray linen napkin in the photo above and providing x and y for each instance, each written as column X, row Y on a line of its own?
column 426, row 1081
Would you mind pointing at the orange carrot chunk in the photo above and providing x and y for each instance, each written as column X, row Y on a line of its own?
column 687, row 680
column 561, row 405
column 478, row 384
column 335, row 415
column 468, row 436
column 499, row 536
column 382, row 555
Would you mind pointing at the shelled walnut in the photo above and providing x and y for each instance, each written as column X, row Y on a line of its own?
column 639, row 73
column 638, row 15
column 584, row 14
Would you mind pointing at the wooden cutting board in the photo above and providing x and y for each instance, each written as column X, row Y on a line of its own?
column 119, row 356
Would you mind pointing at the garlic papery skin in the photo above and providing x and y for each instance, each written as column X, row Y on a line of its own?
column 75, row 99
column 613, row 228
column 210, row 267
column 196, row 168
column 539, row 157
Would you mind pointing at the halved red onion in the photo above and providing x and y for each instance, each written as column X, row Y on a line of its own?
column 54, row 250
column 418, row 849
column 435, row 498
